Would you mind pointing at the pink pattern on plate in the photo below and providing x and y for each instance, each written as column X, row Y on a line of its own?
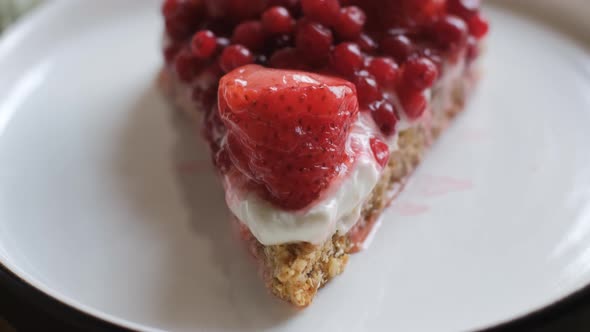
column 410, row 209
column 474, row 134
column 441, row 185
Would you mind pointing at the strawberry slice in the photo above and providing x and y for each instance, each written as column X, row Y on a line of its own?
column 287, row 130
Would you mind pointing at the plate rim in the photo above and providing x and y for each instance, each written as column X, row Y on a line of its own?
column 71, row 311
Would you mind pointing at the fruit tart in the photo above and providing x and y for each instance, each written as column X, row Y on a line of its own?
column 316, row 112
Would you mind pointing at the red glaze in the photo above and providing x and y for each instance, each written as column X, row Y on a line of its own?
column 380, row 151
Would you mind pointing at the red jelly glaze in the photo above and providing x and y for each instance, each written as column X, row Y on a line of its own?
column 380, row 151
column 378, row 45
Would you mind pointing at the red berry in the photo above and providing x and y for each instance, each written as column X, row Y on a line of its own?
column 450, row 32
column 277, row 20
column 380, row 150
column 287, row 130
column 181, row 18
column 414, row 103
column 286, row 58
column 411, row 12
column 419, row 74
column 170, row 7
column 400, row 47
column 463, row 8
column 322, row 11
column 171, row 51
column 235, row 56
column 313, row 41
column 292, row 5
column 385, row 117
column 368, row 90
column 347, row 58
column 204, row 44
column 478, row 26
column 187, row 66
column 384, row 69
column 234, row 10
column 249, row 34
column 366, row 43
column 350, row 23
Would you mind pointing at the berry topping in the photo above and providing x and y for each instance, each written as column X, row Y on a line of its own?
column 450, row 32
column 478, row 26
column 235, row 56
column 350, row 23
column 463, row 8
column 181, row 17
column 347, row 58
column 277, row 20
column 249, row 34
column 414, row 103
column 313, row 41
column 400, row 47
column 287, row 58
column 384, row 69
column 367, row 43
column 322, row 11
column 187, row 66
column 380, row 150
column 368, row 89
column 419, row 74
column 171, row 51
column 287, row 130
column 385, row 116
column 204, row 44
column 233, row 10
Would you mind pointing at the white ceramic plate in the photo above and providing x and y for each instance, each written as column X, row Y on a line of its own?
column 109, row 205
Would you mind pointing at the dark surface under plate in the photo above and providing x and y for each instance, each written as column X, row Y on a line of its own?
column 28, row 309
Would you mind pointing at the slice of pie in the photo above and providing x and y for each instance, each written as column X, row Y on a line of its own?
column 316, row 112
